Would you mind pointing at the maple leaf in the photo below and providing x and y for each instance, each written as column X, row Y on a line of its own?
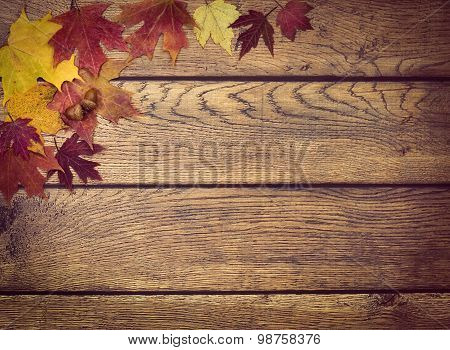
column 18, row 171
column 260, row 27
column 160, row 17
column 213, row 20
column 84, row 29
column 84, row 128
column 33, row 105
column 112, row 103
column 293, row 17
column 71, row 95
column 28, row 56
column 68, row 157
column 18, row 136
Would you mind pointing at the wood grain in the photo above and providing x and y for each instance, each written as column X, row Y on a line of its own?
column 284, row 249
column 261, row 132
column 365, row 311
column 227, row 239
column 351, row 38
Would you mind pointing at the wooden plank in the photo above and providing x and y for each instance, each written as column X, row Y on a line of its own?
column 360, row 311
column 227, row 239
column 351, row 37
column 259, row 132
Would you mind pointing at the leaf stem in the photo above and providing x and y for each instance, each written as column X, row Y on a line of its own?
column 279, row 5
column 56, row 144
column 268, row 13
column 74, row 5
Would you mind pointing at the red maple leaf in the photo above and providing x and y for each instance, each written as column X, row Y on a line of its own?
column 18, row 135
column 160, row 17
column 260, row 27
column 18, row 171
column 68, row 157
column 293, row 17
column 84, row 128
column 84, row 29
column 71, row 95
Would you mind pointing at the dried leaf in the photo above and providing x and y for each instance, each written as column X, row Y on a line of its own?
column 160, row 17
column 28, row 57
column 260, row 27
column 84, row 128
column 33, row 105
column 68, row 157
column 18, row 135
column 213, row 20
column 293, row 17
column 18, row 171
column 84, row 30
column 112, row 102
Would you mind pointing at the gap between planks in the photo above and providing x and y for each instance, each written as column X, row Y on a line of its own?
column 289, row 79
column 227, row 292
column 286, row 186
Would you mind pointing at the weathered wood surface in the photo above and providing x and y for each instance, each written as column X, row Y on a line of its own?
column 260, row 132
column 366, row 311
column 238, row 131
column 227, row 239
column 351, row 38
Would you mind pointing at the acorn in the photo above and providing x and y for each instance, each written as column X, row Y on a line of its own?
column 91, row 95
column 88, row 105
column 75, row 112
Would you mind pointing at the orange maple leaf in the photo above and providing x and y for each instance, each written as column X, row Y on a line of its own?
column 160, row 17
column 112, row 102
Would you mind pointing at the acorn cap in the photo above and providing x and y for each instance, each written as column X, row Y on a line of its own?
column 91, row 95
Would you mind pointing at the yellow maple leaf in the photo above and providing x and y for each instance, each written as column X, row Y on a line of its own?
column 213, row 20
column 32, row 104
column 28, row 56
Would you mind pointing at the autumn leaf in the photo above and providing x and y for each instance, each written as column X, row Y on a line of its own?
column 71, row 95
column 260, row 27
column 18, row 171
column 33, row 105
column 160, row 17
column 213, row 20
column 28, row 57
column 69, row 157
column 84, row 29
column 293, row 17
column 112, row 103
column 84, row 128
column 18, row 135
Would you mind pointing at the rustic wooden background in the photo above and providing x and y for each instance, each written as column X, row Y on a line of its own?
column 347, row 129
